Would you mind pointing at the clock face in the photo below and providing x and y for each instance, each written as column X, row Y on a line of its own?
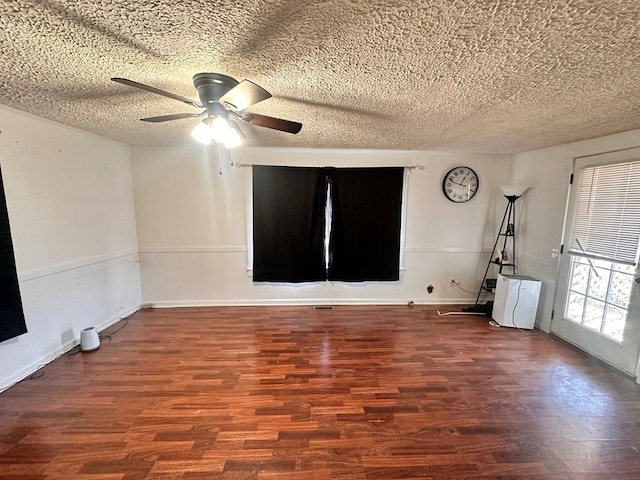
column 460, row 184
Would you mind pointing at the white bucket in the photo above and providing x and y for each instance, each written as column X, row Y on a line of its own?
column 89, row 339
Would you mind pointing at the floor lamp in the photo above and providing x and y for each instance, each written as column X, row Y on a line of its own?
column 507, row 230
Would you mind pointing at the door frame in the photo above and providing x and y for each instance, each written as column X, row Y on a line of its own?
column 567, row 330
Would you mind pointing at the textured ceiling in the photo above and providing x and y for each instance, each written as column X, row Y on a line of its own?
column 453, row 75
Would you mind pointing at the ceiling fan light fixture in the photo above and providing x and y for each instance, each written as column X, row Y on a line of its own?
column 233, row 139
column 202, row 133
column 219, row 129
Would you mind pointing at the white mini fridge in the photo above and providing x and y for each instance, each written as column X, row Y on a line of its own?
column 515, row 301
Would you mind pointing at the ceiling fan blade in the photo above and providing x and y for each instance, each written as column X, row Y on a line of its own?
column 173, row 116
column 157, row 91
column 243, row 95
column 270, row 122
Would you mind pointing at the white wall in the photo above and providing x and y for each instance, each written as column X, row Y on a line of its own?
column 70, row 202
column 547, row 171
column 193, row 227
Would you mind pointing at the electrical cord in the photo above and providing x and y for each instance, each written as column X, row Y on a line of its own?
column 513, row 312
column 109, row 335
column 484, row 293
column 515, row 305
column 467, row 291
column 38, row 373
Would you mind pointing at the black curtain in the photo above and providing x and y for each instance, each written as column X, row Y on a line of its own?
column 12, row 322
column 288, row 224
column 366, row 220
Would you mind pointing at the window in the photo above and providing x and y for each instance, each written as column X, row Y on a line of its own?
column 598, row 296
column 313, row 224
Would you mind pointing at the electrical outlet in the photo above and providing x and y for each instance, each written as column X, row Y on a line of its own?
column 452, row 282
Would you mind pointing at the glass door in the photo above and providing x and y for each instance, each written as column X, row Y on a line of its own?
column 597, row 304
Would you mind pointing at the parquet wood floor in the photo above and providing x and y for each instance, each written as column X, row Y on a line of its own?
column 354, row 393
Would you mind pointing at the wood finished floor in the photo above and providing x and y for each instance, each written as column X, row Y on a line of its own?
column 358, row 393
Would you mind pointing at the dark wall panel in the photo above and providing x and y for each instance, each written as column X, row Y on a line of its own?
column 12, row 322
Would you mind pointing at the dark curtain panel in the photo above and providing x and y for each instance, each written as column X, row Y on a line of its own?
column 288, row 224
column 12, row 321
column 365, row 229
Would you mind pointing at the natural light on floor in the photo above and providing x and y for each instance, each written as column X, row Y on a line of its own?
column 599, row 295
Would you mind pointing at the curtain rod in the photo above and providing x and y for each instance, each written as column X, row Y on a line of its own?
column 243, row 165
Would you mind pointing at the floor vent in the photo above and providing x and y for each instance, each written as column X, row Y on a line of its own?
column 323, row 307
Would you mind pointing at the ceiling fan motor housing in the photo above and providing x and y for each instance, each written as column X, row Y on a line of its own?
column 212, row 86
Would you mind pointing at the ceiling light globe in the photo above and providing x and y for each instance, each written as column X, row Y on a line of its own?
column 219, row 129
column 233, row 139
column 202, row 133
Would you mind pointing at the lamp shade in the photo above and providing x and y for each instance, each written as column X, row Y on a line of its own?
column 89, row 339
column 514, row 191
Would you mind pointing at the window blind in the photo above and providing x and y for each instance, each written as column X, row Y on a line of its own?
column 607, row 221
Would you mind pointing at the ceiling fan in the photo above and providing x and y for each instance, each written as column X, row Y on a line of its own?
column 224, row 100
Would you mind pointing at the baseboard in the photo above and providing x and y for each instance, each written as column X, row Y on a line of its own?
column 304, row 301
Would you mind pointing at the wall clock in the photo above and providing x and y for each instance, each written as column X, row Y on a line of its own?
column 460, row 184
